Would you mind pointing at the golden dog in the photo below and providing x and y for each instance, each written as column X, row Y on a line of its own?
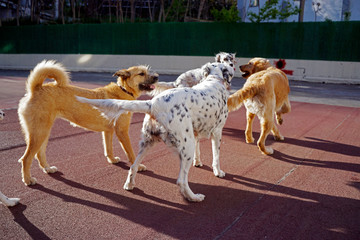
column 264, row 94
column 44, row 102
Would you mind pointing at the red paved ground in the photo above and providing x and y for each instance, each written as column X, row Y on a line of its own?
column 309, row 188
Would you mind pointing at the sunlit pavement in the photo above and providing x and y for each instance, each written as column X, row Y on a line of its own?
column 308, row 189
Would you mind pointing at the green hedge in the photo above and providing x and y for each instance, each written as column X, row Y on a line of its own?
column 313, row 41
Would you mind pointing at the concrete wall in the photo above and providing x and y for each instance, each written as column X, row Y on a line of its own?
column 303, row 70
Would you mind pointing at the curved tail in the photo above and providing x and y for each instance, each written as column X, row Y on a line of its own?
column 235, row 100
column 47, row 69
column 113, row 108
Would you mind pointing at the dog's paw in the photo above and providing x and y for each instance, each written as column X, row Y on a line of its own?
column 52, row 169
column 279, row 138
column 250, row 139
column 29, row 181
column 10, row 202
column 268, row 151
column 113, row 160
column 129, row 186
column 197, row 163
column 197, row 198
column 219, row 173
column 142, row 168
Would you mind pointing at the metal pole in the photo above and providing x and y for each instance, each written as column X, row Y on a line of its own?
column 302, row 8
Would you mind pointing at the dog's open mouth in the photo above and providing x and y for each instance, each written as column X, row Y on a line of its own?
column 146, row 86
column 245, row 74
column 149, row 84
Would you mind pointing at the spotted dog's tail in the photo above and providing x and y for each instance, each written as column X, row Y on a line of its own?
column 47, row 69
column 113, row 108
column 160, row 87
column 235, row 100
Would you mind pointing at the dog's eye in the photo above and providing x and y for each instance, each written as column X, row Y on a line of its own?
column 225, row 59
column 141, row 74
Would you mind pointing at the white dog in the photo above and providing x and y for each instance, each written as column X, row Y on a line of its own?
column 178, row 117
column 4, row 199
column 190, row 79
column 194, row 76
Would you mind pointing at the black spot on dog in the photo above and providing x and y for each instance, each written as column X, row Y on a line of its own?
column 167, row 98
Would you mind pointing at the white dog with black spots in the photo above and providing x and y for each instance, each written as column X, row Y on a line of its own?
column 9, row 202
column 179, row 117
column 194, row 76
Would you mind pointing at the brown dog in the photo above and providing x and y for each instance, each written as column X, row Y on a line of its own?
column 264, row 94
column 44, row 102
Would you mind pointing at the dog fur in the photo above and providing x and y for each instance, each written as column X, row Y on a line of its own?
column 2, row 115
column 9, row 202
column 179, row 117
column 265, row 94
column 44, row 102
column 194, row 76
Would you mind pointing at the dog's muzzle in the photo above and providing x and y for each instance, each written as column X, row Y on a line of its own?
column 148, row 85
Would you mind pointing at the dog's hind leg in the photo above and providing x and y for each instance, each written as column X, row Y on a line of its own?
column 266, row 126
column 34, row 143
column 248, row 132
column 216, row 141
column 186, row 151
column 197, row 162
column 276, row 133
column 41, row 157
column 130, row 181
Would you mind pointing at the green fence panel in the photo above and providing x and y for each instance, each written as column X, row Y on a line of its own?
column 337, row 41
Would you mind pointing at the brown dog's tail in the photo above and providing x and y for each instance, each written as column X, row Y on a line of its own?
column 235, row 100
column 47, row 69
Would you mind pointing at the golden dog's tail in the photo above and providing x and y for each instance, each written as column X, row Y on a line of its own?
column 47, row 69
column 235, row 100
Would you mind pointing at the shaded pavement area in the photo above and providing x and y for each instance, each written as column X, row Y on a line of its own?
column 308, row 189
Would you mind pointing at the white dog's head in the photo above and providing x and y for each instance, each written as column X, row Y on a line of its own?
column 226, row 58
column 2, row 115
column 219, row 70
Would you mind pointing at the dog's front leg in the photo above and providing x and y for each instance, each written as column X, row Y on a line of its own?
column 197, row 162
column 216, row 141
column 108, row 146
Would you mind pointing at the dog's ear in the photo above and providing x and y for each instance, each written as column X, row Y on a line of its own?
column 206, row 69
column 233, row 56
column 124, row 74
column 217, row 57
column 226, row 74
